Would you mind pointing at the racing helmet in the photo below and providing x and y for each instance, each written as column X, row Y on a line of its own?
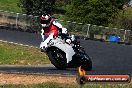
column 46, row 20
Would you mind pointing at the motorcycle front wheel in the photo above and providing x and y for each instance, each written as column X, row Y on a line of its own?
column 58, row 58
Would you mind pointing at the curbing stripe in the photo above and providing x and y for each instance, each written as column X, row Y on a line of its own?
column 17, row 43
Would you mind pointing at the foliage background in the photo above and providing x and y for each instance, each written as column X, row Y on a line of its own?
column 111, row 13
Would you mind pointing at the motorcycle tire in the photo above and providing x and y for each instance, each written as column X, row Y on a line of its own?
column 87, row 65
column 58, row 58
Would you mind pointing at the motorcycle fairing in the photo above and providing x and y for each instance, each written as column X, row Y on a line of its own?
column 64, row 47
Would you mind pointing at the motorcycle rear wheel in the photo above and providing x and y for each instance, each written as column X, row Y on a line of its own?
column 87, row 65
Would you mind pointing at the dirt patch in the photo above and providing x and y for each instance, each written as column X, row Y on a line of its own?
column 34, row 79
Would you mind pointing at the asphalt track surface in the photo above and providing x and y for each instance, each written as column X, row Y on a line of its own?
column 107, row 58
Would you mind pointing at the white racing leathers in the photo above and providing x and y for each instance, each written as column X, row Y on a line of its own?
column 64, row 30
column 44, row 44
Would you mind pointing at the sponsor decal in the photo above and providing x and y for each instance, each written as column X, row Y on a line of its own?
column 82, row 78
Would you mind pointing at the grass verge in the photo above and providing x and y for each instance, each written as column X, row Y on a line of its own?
column 10, row 5
column 11, row 54
column 57, row 85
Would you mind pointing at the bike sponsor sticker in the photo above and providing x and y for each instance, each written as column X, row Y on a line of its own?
column 82, row 78
column 107, row 78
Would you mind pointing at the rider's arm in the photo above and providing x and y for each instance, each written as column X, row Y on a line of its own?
column 42, row 34
column 45, row 43
column 63, row 30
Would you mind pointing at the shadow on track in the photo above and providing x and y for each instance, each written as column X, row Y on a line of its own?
column 51, row 70
column 37, row 70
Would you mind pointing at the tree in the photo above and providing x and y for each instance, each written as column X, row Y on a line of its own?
column 37, row 7
column 60, row 6
column 99, row 12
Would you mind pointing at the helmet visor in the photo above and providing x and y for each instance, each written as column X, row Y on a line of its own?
column 45, row 21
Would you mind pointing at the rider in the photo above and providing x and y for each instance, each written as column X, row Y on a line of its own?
column 50, row 29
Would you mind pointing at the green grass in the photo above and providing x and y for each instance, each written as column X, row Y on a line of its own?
column 57, row 85
column 10, row 5
column 20, row 55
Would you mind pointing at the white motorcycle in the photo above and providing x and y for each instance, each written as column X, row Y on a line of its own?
column 67, row 53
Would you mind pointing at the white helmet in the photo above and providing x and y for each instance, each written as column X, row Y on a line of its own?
column 46, row 20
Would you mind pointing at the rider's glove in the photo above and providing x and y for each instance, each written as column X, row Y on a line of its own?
column 68, row 41
column 43, row 45
column 64, row 30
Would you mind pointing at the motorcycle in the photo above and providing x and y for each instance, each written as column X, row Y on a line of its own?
column 67, row 53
